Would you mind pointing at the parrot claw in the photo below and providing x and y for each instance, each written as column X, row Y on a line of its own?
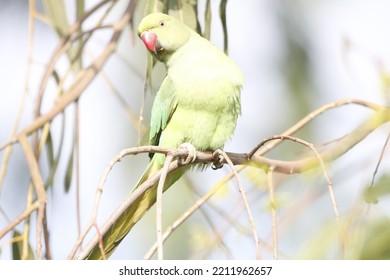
column 218, row 160
column 191, row 157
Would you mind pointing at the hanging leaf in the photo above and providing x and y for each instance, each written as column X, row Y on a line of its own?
column 80, row 7
column 154, row 6
column 379, row 189
column 186, row 11
column 207, row 21
column 69, row 172
column 51, row 161
column 49, row 149
column 17, row 247
column 222, row 15
column 56, row 12
column 54, row 160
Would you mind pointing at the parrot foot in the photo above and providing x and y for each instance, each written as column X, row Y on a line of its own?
column 191, row 157
column 218, row 159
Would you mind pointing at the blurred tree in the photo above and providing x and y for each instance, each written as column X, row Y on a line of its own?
column 76, row 66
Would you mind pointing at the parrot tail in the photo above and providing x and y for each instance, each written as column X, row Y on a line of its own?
column 135, row 211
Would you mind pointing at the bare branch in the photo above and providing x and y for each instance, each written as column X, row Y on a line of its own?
column 307, row 119
column 26, row 213
column 39, row 188
column 80, row 84
column 297, row 166
column 183, row 218
column 245, row 200
column 380, row 159
column 160, row 190
column 270, row 174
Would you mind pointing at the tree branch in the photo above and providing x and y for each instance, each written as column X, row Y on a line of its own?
column 80, row 84
column 381, row 116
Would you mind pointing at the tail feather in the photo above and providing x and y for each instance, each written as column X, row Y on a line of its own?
column 115, row 234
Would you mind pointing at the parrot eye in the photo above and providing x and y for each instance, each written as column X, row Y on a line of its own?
column 162, row 23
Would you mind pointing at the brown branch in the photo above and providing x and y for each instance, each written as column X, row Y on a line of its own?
column 338, row 149
column 298, row 166
column 307, row 119
column 25, row 214
column 39, row 189
column 203, row 199
column 271, row 188
column 62, row 47
column 84, row 79
column 330, row 186
column 245, row 200
column 30, row 41
column 160, row 189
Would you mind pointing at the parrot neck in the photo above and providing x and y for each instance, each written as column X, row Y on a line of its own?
column 190, row 47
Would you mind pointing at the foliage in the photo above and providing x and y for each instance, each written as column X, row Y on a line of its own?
column 44, row 141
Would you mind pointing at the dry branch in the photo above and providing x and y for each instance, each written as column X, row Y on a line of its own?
column 83, row 80
column 381, row 116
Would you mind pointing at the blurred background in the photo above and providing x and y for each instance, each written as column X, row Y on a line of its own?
column 296, row 56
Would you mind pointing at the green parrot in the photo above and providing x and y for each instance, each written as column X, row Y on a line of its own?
column 196, row 106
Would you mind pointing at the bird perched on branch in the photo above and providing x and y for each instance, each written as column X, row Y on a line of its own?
column 196, row 106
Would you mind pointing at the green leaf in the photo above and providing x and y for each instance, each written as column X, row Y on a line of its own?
column 154, row 6
column 377, row 242
column 49, row 149
column 80, row 7
column 17, row 248
column 207, row 21
column 69, row 172
column 185, row 10
column 56, row 12
column 379, row 189
column 54, row 161
column 222, row 15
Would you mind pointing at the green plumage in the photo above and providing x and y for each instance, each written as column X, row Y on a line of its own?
column 198, row 103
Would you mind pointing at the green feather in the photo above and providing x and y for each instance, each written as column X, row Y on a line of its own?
column 198, row 102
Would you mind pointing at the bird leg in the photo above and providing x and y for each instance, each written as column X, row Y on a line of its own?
column 191, row 157
column 219, row 158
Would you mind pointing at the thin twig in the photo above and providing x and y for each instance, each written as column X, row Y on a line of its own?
column 26, row 213
column 77, row 163
column 62, row 47
column 133, row 117
column 99, row 190
column 329, row 183
column 128, row 202
column 380, row 159
column 39, row 188
column 101, row 244
column 30, row 41
column 308, row 118
column 382, row 116
column 80, row 84
column 160, row 190
column 382, row 113
column 46, row 235
column 245, row 200
column 270, row 174
column 26, row 226
column 183, row 218
column 320, row 160
column 218, row 237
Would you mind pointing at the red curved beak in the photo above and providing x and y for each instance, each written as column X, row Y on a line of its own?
column 150, row 39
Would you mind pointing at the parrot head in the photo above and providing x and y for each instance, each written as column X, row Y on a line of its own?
column 162, row 34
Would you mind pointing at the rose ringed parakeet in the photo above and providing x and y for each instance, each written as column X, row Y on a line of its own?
column 198, row 103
